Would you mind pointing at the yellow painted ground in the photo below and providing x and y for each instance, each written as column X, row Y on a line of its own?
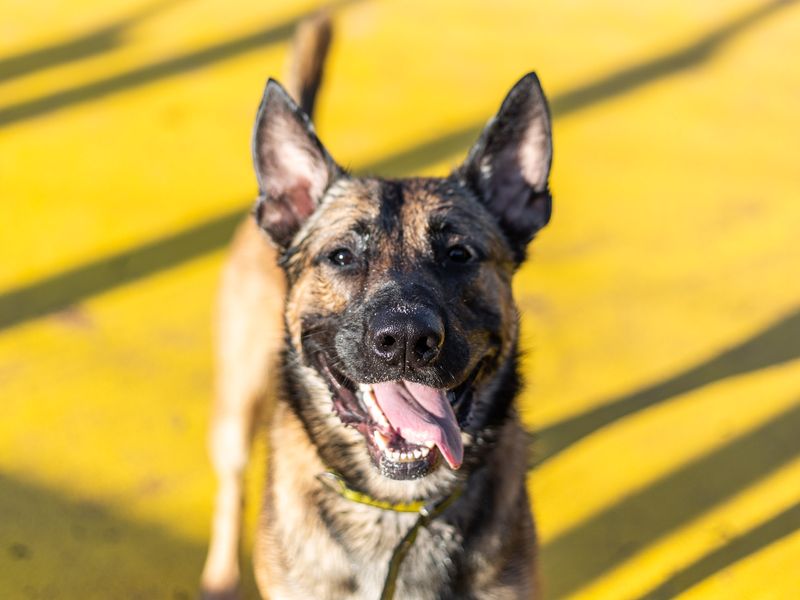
column 661, row 308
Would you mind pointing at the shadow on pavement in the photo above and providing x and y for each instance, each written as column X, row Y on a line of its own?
column 742, row 546
column 63, row 289
column 52, row 546
column 582, row 554
column 776, row 344
column 94, row 42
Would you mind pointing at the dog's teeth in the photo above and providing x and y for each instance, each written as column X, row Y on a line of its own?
column 396, row 455
column 430, row 444
column 380, row 439
column 365, row 387
column 374, row 410
column 377, row 415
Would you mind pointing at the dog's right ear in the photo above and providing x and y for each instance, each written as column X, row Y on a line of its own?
column 509, row 166
column 292, row 166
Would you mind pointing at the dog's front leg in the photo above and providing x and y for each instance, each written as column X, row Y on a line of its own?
column 250, row 337
column 229, row 453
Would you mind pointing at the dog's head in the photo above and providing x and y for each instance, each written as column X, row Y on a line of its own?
column 401, row 325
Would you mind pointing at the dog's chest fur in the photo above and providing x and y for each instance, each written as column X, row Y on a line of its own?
column 312, row 543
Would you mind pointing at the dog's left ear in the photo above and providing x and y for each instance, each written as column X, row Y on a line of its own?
column 509, row 166
column 293, row 168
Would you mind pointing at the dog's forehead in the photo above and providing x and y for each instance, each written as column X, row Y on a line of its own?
column 407, row 208
column 349, row 205
column 351, row 200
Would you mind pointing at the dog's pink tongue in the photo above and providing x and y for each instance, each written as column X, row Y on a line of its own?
column 420, row 413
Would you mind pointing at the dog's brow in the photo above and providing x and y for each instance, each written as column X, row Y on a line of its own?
column 361, row 227
column 442, row 224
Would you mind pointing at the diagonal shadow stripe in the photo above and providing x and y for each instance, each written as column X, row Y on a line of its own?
column 776, row 344
column 604, row 88
column 139, row 76
column 74, row 285
column 583, row 553
column 601, row 89
column 740, row 547
column 45, row 534
column 670, row 63
column 99, row 40
column 61, row 290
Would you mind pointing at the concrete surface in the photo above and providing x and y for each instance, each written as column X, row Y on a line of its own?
column 661, row 307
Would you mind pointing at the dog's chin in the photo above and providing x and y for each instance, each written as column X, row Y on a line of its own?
column 394, row 455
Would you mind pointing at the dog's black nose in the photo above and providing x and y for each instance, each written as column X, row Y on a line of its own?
column 410, row 336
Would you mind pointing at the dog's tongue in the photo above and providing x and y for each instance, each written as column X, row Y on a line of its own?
column 420, row 413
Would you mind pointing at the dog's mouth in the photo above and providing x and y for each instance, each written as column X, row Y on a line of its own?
column 407, row 425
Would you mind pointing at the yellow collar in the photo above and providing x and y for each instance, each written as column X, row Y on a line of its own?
column 426, row 511
column 337, row 483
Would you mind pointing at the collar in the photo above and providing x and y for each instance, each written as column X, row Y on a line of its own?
column 427, row 511
column 338, row 484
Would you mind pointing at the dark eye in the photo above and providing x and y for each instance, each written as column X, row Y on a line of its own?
column 459, row 254
column 341, row 257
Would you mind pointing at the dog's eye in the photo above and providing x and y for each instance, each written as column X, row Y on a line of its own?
column 341, row 257
column 459, row 254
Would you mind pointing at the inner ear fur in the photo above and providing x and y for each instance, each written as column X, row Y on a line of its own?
column 292, row 166
column 509, row 166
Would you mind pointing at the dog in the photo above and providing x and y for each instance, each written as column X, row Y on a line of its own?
column 373, row 319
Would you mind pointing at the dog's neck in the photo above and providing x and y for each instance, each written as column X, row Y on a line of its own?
column 338, row 484
column 425, row 512
column 493, row 498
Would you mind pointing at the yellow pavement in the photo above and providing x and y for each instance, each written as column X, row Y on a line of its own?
column 661, row 307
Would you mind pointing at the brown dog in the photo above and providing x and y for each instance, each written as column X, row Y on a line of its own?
column 378, row 316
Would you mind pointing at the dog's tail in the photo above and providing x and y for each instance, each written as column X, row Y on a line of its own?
column 311, row 43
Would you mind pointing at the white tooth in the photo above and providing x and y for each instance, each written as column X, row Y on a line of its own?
column 380, row 439
column 417, row 453
column 424, row 451
column 430, row 444
column 374, row 410
column 377, row 416
column 403, row 456
column 364, row 387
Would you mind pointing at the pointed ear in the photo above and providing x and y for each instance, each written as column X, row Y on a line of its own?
column 509, row 165
column 293, row 168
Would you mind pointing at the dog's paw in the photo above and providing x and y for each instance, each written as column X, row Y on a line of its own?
column 225, row 593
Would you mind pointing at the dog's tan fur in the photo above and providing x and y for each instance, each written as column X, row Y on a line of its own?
column 312, row 543
column 250, row 335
